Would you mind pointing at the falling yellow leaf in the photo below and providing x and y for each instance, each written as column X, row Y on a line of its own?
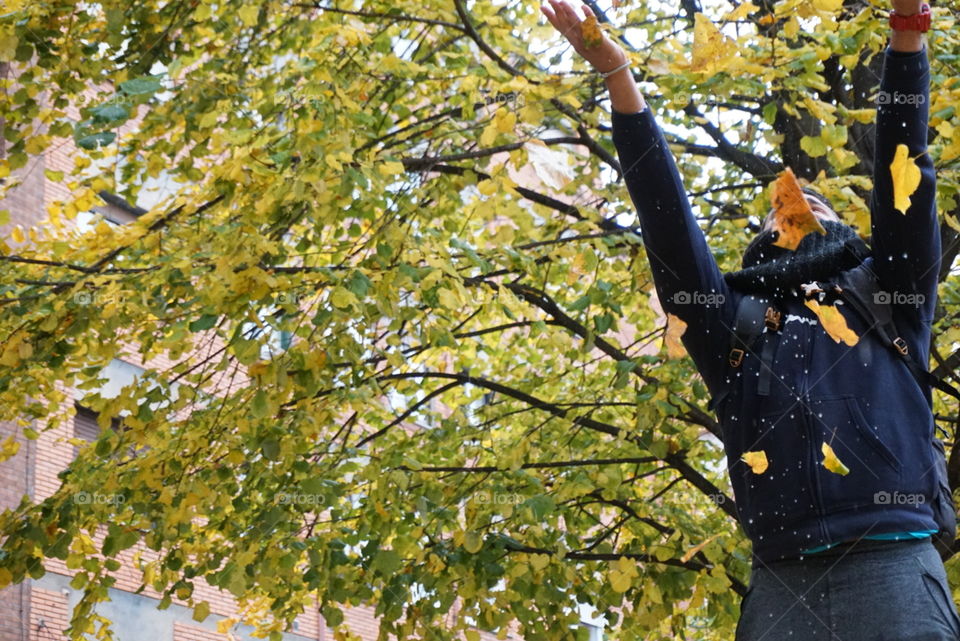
column 792, row 215
column 590, row 31
column 906, row 178
column 711, row 49
column 833, row 322
column 689, row 554
column 756, row 460
column 831, row 462
column 675, row 329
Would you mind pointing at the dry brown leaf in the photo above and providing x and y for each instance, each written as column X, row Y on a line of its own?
column 792, row 215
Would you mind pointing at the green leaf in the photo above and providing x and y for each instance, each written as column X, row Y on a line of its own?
column 201, row 611
column 94, row 141
column 109, row 113
column 540, row 505
column 580, row 304
column 141, row 85
column 271, row 448
column 260, row 405
column 204, row 322
column 813, row 145
column 472, row 542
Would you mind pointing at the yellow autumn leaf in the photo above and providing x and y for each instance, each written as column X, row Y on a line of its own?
column 391, row 167
column 248, row 14
column 506, row 120
column 833, row 322
column 830, row 6
column 9, row 448
column 953, row 222
column 831, row 462
column 675, row 329
column 17, row 234
column 689, row 554
column 741, row 12
column 258, row 369
column 619, row 581
column 756, row 460
column 906, row 178
column 711, row 49
column 539, row 561
column 472, row 542
column 792, row 216
column 590, row 32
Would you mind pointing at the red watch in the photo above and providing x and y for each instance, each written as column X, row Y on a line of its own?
column 917, row 22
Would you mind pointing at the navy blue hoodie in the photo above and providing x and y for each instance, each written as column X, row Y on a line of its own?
column 860, row 399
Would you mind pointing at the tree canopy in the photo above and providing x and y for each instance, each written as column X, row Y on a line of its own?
column 348, row 294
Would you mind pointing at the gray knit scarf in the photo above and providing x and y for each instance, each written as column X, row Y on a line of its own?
column 778, row 272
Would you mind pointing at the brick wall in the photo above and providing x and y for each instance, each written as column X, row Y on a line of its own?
column 183, row 632
column 48, row 615
column 15, row 477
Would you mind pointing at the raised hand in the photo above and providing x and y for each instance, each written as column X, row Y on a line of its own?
column 604, row 57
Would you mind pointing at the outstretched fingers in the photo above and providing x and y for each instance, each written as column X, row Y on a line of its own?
column 564, row 19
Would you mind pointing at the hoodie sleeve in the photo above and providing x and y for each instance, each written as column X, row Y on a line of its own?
column 905, row 247
column 688, row 282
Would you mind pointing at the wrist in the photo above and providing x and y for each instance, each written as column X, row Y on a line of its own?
column 912, row 19
column 609, row 62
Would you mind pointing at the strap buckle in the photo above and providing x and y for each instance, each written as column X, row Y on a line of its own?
column 901, row 345
column 771, row 318
column 736, row 356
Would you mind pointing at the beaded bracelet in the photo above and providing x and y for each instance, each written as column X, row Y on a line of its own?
column 613, row 71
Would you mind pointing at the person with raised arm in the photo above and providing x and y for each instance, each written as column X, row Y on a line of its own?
column 842, row 513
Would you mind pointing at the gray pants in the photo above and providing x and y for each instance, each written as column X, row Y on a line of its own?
column 868, row 591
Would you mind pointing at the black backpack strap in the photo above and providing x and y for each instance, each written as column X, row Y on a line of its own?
column 747, row 326
column 860, row 290
column 752, row 315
